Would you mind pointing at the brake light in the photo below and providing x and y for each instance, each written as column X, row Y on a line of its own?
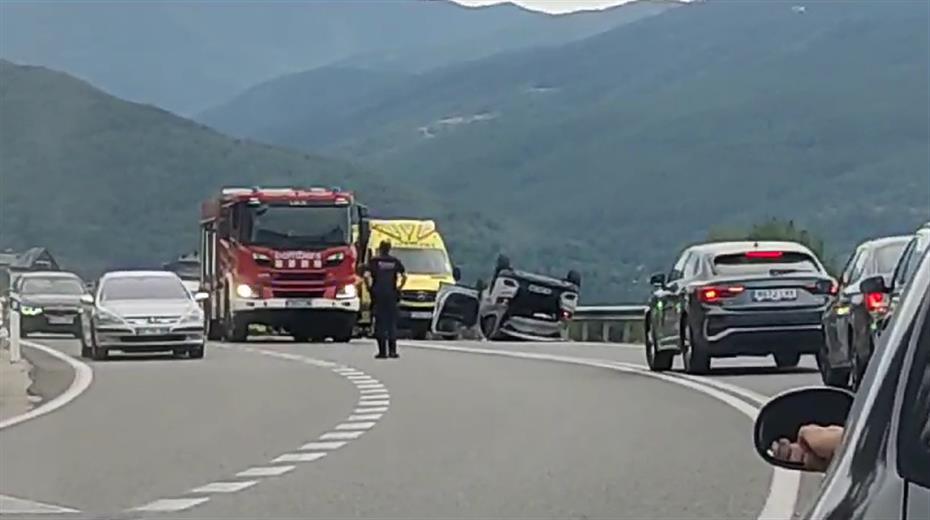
column 566, row 315
column 876, row 302
column 764, row 254
column 714, row 294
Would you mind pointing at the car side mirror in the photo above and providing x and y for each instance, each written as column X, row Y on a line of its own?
column 87, row 299
column 657, row 280
column 456, row 273
column 874, row 284
column 201, row 296
column 785, row 414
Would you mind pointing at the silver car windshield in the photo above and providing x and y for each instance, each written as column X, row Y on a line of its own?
column 52, row 286
column 143, row 288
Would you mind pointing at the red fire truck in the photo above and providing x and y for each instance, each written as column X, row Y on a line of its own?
column 284, row 258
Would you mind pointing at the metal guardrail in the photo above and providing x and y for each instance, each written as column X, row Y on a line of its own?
column 608, row 323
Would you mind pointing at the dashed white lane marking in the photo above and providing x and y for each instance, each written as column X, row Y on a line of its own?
column 265, row 471
column 299, row 457
column 373, row 398
column 170, row 505
column 225, row 487
column 341, row 436
column 783, row 490
column 380, row 409
column 356, row 425
column 377, row 402
column 334, row 445
column 365, row 417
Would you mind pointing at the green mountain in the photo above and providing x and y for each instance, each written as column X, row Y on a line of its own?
column 106, row 183
column 638, row 140
column 188, row 56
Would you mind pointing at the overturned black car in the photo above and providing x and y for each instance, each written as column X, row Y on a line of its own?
column 514, row 305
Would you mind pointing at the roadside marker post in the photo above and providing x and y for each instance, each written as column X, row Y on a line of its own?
column 13, row 329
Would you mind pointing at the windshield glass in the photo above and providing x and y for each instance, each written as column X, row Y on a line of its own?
column 911, row 259
column 886, row 257
column 143, row 288
column 69, row 286
column 423, row 261
column 748, row 263
column 296, row 227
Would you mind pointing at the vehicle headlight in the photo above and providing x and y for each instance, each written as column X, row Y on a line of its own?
column 107, row 318
column 194, row 317
column 245, row 291
column 348, row 291
column 28, row 310
column 335, row 258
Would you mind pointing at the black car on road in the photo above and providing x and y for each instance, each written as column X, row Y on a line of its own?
column 728, row 299
column 849, row 321
column 881, row 469
column 50, row 301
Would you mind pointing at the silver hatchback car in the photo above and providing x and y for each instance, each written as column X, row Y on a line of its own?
column 142, row 311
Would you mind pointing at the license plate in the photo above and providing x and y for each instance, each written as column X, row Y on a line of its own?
column 422, row 315
column 60, row 320
column 539, row 289
column 299, row 304
column 774, row 295
column 152, row 331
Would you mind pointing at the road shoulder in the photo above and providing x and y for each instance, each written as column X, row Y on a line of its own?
column 15, row 381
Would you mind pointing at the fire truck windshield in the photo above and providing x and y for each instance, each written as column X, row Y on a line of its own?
column 295, row 227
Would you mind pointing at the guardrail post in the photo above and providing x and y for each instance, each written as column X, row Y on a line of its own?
column 605, row 332
column 13, row 329
column 584, row 331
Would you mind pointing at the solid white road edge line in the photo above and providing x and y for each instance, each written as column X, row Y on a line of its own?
column 170, row 505
column 83, row 376
column 784, row 487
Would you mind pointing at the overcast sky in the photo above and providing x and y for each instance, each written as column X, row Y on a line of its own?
column 552, row 6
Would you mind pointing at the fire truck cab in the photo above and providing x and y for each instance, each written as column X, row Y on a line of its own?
column 284, row 258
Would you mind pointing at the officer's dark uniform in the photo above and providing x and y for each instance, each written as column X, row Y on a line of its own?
column 385, row 269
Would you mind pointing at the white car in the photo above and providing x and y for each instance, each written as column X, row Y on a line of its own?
column 142, row 311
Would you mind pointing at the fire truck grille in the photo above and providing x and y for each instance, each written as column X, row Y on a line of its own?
column 299, row 293
column 297, row 276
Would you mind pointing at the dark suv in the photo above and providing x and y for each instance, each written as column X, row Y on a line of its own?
column 849, row 320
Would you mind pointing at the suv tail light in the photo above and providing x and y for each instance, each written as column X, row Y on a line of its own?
column 876, row 302
column 715, row 293
column 565, row 315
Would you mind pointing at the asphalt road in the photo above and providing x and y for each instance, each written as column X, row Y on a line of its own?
column 435, row 434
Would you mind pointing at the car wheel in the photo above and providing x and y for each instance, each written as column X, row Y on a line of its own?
column 836, row 377
column 237, row 330
column 300, row 337
column 787, row 359
column 693, row 352
column 487, row 327
column 214, row 330
column 195, row 352
column 658, row 361
column 98, row 353
column 85, row 348
column 342, row 338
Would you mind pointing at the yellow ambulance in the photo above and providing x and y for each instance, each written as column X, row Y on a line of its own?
column 419, row 246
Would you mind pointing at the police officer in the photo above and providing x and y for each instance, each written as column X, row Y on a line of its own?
column 382, row 275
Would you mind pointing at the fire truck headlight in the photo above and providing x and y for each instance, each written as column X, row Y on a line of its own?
column 348, row 291
column 244, row 291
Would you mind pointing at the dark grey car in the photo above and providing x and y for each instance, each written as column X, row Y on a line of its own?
column 882, row 468
column 50, row 302
column 850, row 320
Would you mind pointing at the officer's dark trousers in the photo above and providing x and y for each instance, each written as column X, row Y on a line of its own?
column 386, row 327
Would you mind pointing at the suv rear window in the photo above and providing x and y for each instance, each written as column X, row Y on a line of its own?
column 764, row 263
